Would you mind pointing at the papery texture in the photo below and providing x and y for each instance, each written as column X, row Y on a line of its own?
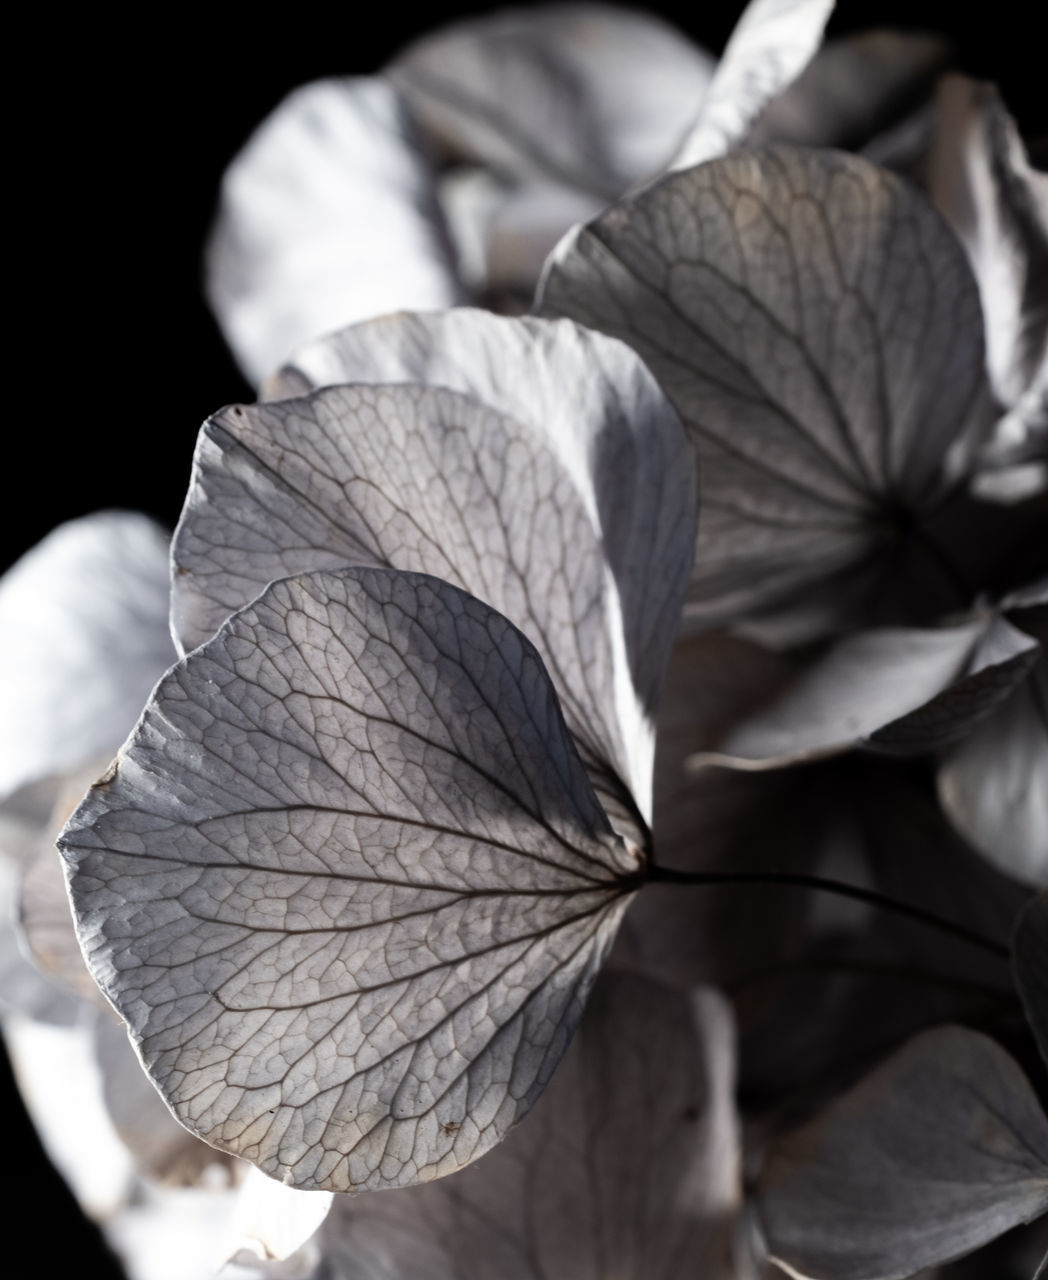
column 818, row 328
column 348, row 883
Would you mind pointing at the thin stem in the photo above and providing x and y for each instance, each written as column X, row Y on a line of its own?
column 873, row 969
column 799, row 881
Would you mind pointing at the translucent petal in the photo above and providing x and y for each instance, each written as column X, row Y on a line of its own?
column 598, row 409
column 628, row 1166
column 348, row 882
column 818, row 328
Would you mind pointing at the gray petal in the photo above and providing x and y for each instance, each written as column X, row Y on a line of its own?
column 818, row 328
column 904, row 690
column 772, row 43
column 1030, row 961
column 83, row 630
column 348, row 883
column 941, row 1149
column 602, row 413
column 854, row 89
column 588, row 95
column 994, row 785
column 628, row 1166
column 327, row 215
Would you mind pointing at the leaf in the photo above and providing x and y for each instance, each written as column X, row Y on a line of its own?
column 994, row 785
column 855, row 89
column 903, row 690
column 83, row 630
column 588, row 95
column 327, row 215
column 599, row 410
column 818, row 329
column 349, row 884
column 771, row 45
column 941, row 1149
column 1030, row 965
column 628, row 1166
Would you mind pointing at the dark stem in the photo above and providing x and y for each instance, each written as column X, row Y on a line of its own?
column 871, row 897
column 872, row 969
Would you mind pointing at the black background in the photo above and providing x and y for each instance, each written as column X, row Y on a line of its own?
column 118, row 138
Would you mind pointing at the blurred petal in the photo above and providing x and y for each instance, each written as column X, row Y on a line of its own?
column 58, row 1078
column 628, row 1166
column 503, row 232
column 901, row 690
column 328, row 215
column 348, row 882
column 979, row 176
column 161, row 1148
column 605, row 418
column 1030, row 961
column 994, row 785
column 83, row 639
column 941, row 1149
column 818, row 328
column 587, row 95
column 45, row 920
column 772, row 43
column 854, row 88
column 274, row 1222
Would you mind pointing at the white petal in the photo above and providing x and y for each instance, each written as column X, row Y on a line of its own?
column 772, row 43
column 904, row 690
column 272, row 1222
column 818, row 328
column 941, row 1149
column 328, row 215
column 348, row 882
column 83, row 639
column 628, row 1166
column 604, row 416
column 589, row 95
column 59, row 1081
column 979, row 176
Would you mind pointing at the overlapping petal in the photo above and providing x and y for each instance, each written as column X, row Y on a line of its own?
column 941, row 1149
column 818, row 328
column 594, row 406
column 771, row 45
column 327, row 216
column 627, row 1166
column 906, row 690
column 588, row 95
column 348, row 882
